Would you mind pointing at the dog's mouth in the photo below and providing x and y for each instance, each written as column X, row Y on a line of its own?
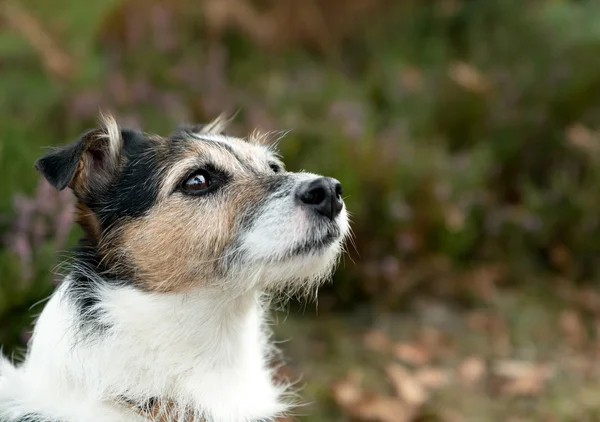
column 316, row 243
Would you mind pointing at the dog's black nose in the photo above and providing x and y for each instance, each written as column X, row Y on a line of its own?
column 324, row 195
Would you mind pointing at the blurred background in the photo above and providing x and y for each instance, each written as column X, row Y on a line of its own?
column 467, row 137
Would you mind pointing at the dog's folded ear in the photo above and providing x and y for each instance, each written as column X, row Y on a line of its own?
column 60, row 165
column 87, row 164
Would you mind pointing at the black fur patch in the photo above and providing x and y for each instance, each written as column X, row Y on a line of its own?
column 33, row 417
column 87, row 277
column 135, row 189
column 59, row 166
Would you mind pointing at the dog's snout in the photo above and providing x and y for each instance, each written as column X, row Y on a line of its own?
column 324, row 195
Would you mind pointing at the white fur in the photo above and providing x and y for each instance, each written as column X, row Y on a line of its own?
column 208, row 352
column 207, row 349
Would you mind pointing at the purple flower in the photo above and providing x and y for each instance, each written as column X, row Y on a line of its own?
column 46, row 216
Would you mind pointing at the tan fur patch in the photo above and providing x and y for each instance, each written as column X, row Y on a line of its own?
column 178, row 245
column 88, row 222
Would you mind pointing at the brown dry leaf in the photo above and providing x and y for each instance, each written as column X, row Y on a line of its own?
column 432, row 339
column 411, row 78
column 500, row 335
column 478, row 321
column 560, row 256
column 455, row 218
column 448, row 415
column 522, row 378
column 471, row 370
column 525, row 386
column 572, row 327
column 407, row 386
column 384, row 409
column 433, row 378
column 483, row 281
column 415, row 354
column 468, row 77
column 357, row 403
column 447, row 8
column 348, row 392
column 377, row 341
column 596, row 328
column 589, row 300
column 583, row 138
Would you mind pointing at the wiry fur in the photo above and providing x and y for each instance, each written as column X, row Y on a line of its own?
column 161, row 315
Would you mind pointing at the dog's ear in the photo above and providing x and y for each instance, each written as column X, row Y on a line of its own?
column 87, row 164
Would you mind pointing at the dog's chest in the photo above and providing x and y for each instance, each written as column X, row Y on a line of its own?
column 162, row 410
column 165, row 410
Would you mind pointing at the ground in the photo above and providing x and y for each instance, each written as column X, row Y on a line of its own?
column 519, row 359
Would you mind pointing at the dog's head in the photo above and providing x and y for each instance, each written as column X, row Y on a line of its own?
column 199, row 208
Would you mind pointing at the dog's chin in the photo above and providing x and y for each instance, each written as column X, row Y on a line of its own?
column 304, row 268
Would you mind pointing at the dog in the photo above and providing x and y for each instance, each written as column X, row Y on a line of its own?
column 161, row 315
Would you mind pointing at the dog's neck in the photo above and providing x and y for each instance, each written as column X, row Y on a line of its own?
column 207, row 325
column 205, row 351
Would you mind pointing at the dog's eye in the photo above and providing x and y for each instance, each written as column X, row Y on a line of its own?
column 275, row 167
column 197, row 182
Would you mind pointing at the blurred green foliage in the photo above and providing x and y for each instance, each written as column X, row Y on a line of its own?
column 466, row 134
